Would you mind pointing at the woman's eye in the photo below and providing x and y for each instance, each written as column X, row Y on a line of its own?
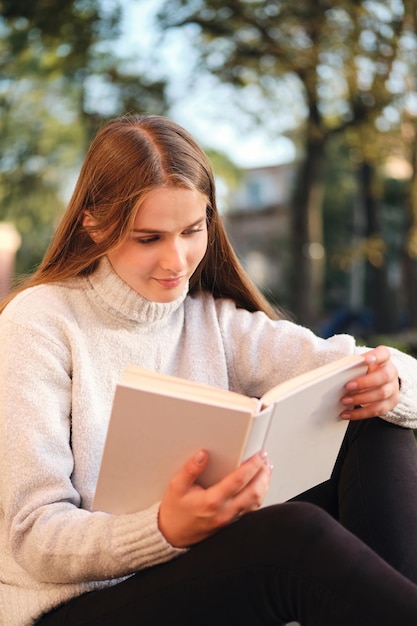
column 193, row 231
column 146, row 240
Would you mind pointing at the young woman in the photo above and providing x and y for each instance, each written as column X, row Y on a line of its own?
column 140, row 271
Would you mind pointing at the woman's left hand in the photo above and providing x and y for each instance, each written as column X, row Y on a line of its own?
column 377, row 391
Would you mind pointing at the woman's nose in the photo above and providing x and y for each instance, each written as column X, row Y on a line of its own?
column 174, row 257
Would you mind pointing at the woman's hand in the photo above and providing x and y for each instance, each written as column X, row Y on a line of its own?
column 189, row 513
column 375, row 393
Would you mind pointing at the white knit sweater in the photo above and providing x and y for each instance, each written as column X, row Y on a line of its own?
column 63, row 349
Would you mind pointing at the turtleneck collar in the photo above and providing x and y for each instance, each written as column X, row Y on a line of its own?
column 119, row 299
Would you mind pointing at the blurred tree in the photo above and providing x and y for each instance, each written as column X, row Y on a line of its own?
column 408, row 128
column 373, row 75
column 60, row 77
column 345, row 58
column 40, row 134
column 410, row 235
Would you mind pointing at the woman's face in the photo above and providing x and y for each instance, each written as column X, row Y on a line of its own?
column 166, row 244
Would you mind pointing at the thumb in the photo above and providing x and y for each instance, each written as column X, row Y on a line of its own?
column 193, row 468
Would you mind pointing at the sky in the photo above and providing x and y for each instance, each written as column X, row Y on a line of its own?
column 200, row 104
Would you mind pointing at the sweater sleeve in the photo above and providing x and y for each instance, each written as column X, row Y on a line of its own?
column 51, row 537
column 262, row 353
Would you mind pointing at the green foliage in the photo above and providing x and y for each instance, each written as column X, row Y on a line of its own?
column 40, row 137
column 64, row 31
column 338, row 77
column 59, row 79
column 350, row 67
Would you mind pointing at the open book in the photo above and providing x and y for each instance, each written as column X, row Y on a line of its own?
column 158, row 422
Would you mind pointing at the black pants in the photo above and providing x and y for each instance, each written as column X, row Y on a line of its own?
column 342, row 554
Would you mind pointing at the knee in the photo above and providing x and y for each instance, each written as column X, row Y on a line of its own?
column 301, row 524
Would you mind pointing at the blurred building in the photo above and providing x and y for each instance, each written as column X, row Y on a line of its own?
column 366, row 289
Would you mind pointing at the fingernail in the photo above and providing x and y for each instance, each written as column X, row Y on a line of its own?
column 200, row 456
column 263, row 454
column 351, row 385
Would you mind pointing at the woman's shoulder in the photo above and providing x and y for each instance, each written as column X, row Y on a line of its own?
column 225, row 310
column 205, row 301
column 38, row 302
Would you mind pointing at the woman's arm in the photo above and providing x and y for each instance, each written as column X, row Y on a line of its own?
column 42, row 490
column 262, row 353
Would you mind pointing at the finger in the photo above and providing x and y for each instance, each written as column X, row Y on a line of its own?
column 240, row 478
column 190, row 472
column 377, row 356
column 240, row 491
column 371, row 403
column 380, row 375
column 357, row 414
column 365, row 412
column 252, row 497
column 372, row 390
column 382, row 390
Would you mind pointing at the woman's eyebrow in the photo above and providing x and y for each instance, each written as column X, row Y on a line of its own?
column 156, row 231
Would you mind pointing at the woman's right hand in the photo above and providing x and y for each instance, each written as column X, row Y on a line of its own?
column 189, row 513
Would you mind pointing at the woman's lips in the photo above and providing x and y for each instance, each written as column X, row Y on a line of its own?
column 170, row 283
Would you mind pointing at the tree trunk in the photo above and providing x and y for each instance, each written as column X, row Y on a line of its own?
column 381, row 297
column 410, row 286
column 308, row 258
column 410, row 245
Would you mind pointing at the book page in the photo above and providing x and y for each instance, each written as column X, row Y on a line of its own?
column 305, row 435
column 309, row 378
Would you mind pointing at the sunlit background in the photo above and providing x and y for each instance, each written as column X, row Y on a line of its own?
column 308, row 111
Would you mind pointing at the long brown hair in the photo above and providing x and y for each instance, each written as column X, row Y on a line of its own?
column 130, row 157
